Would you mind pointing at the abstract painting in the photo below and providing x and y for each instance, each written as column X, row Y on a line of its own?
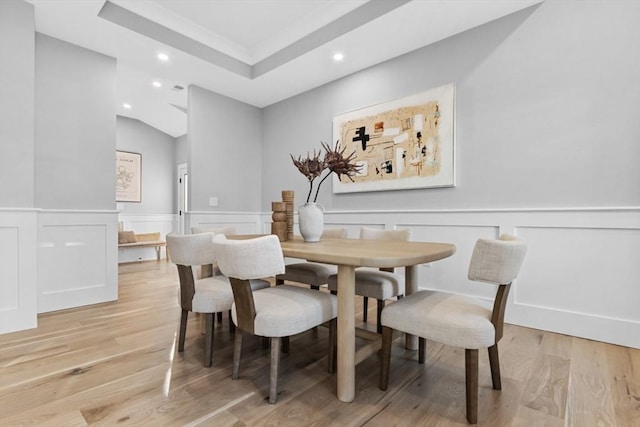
column 400, row 144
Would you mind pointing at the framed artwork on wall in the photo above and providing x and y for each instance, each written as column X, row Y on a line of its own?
column 128, row 177
column 400, row 144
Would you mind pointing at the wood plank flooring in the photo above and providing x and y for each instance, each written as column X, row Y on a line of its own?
column 116, row 364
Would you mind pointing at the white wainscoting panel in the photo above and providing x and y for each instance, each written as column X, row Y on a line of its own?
column 145, row 223
column 581, row 281
column 18, row 276
column 244, row 222
column 10, row 267
column 77, row 259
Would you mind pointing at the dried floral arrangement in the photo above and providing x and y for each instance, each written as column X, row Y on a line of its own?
column 334, row 161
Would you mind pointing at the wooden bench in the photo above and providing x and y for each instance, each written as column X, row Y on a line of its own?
column 147, row 240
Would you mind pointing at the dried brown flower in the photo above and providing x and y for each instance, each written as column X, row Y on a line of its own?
column 311, row 167
column 338, row 164
column 334, row 160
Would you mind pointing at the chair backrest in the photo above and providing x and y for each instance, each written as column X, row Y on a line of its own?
column 243, row 260
column 186, row 252
column 192, row 249
column 250, row 258
column 367, row 233
column 497, row 261
column 334, row 233
column 227, row 231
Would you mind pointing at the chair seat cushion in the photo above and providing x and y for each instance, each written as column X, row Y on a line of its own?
column 450, row 319
column 373, row 284
column 285, row 310
column 311, row 273
column 214, row 294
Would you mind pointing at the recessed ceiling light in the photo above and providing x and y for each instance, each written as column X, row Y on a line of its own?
column 338, row 57
column 156, row 83
column 127, row 106
column 163, row 57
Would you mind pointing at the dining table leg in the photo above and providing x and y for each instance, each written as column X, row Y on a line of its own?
column 411, row 286
column 346, row 375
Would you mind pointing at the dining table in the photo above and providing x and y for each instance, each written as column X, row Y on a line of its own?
column 348, row 255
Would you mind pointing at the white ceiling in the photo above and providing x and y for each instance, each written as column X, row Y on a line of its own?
column 256, row 51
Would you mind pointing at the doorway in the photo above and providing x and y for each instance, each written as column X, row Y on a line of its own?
column 183, row 196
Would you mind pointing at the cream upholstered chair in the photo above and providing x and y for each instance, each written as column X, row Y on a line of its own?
column 275, row 312
column 457, row 320
column 380, row 284
column 312, row 273
column 212, row 269
column 207, row 295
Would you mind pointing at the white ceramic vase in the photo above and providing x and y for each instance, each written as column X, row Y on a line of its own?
column 311, row 221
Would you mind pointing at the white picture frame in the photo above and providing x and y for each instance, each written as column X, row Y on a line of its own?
column 401, row 144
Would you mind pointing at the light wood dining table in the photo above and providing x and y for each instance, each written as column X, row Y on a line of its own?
column 349, row 254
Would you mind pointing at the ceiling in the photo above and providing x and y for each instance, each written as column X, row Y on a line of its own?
column 256, row 51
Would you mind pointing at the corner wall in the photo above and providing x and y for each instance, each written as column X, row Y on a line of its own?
column 17, row 88
column 18, row 218
column 225, row 152
column 75, row 142
column 75, row 127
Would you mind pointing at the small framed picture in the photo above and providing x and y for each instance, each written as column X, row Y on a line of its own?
column 128, row 177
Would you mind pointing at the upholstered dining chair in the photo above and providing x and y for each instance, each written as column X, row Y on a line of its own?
column 275, row 312
column 313, row 274
column 212, row 269
column 380, row 284
column 457, row 320
column 208, row 295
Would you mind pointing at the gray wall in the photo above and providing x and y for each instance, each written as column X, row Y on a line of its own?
column 547, row 104
column 225, row 152
column 158, row 165
column 75, row 127
column 17, row 56
column 181, row 148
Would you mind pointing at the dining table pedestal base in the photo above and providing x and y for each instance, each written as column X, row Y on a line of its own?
column 346, row 333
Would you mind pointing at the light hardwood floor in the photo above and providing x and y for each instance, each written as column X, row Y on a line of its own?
column 116, row 364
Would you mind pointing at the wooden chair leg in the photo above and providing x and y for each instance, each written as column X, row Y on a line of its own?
column 279, row 282
column 285, row 345
column 208, row 341
column 315, row 288
column 380, row 306
column 237, row 352
column 422, row 350
column 365, row 309
column 494, row 362
column 471, row 375
column 183, row 329
column 333, row 353
column 387, row 338
column 232, row 326
column 273, row 374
